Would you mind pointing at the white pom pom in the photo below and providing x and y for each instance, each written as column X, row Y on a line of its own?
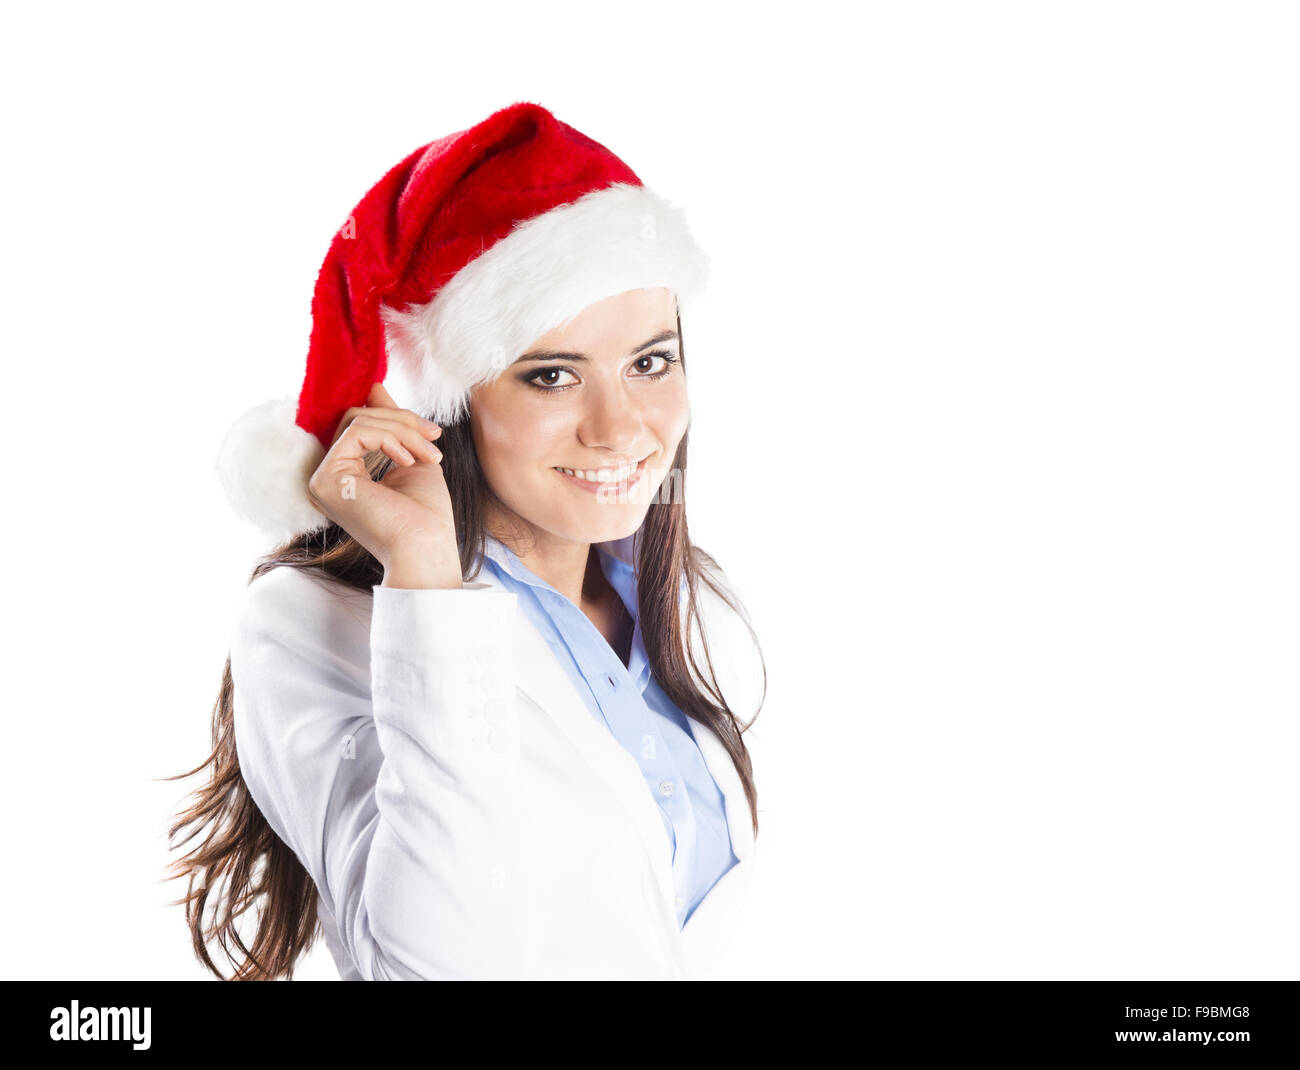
column 264, row 465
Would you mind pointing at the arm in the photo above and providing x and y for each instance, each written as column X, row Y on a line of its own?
column 396, row 784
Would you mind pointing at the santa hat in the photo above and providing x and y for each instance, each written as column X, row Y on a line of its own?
column 461, row 257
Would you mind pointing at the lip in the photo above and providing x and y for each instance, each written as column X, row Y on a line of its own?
column 595, row 488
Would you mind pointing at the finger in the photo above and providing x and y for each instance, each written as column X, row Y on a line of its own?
column 410, row 438
column 373, row 438
column 414, row 431
column 380, row 398
column 406, row 417
column 344, row 420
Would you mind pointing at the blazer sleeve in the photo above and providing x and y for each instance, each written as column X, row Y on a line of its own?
column 385, row 753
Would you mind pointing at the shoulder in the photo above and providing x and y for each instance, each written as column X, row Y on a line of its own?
column 289, row 587
column 719, row 605
column 730, row 633
column 289, row 608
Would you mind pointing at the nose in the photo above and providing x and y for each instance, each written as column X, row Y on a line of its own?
column 611, row 420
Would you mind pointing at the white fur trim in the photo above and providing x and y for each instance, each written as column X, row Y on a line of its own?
column 538, row 277
column 264, row 465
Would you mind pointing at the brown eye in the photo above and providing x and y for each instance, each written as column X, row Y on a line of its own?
column 544, row 379
column 668, row 361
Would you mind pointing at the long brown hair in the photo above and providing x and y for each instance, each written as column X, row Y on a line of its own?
column 239, row 859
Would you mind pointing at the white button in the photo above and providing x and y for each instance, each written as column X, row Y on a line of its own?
column 679, row 902
column 665, row 787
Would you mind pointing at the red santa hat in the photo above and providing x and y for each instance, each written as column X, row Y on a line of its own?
column 461, row 257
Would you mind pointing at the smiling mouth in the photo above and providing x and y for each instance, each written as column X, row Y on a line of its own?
column 604, row 477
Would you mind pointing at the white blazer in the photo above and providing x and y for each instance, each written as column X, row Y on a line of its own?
column 461, row 812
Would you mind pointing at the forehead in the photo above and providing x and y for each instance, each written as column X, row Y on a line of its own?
column 615, row 325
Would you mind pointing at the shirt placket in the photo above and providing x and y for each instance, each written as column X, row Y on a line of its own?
column 617, row 692
column 636, row 728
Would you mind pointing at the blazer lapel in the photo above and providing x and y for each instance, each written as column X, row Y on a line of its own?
column 708, row 930
column 541, row 677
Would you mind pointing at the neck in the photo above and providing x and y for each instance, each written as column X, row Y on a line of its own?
column 572, row 568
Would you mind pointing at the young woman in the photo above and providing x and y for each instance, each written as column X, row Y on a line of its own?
column 481, row 713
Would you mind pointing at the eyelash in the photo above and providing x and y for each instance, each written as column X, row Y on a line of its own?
column 531, row 378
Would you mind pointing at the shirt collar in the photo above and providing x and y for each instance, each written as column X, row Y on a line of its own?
column 620, row 574
column 618, row 560
column 499, row 553
column 613, row 557
column 622, row 550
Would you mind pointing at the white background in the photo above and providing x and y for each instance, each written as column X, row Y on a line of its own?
column 994, row 398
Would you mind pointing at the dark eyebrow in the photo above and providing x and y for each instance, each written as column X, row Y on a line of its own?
column 550, row 354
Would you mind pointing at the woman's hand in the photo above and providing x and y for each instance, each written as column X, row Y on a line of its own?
column 405, row 519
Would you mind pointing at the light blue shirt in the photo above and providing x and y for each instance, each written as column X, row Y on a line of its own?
column 646, row 723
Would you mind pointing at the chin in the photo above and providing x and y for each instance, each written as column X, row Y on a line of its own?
column 610, row 523
column 635, row 516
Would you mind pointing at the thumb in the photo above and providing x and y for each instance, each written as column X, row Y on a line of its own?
column 380, row 398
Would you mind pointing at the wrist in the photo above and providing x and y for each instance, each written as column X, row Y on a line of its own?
column 422, row 568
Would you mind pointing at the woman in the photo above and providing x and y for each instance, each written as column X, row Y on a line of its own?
column 480, row 713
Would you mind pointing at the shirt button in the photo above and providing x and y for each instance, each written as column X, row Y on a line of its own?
column 665, row 787
column 679, row 902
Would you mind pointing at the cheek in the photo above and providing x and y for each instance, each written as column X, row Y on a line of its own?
column 514, row 440
column 496, row 436
column 669, row 416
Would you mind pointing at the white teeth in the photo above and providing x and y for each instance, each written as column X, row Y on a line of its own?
column 604, row 475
